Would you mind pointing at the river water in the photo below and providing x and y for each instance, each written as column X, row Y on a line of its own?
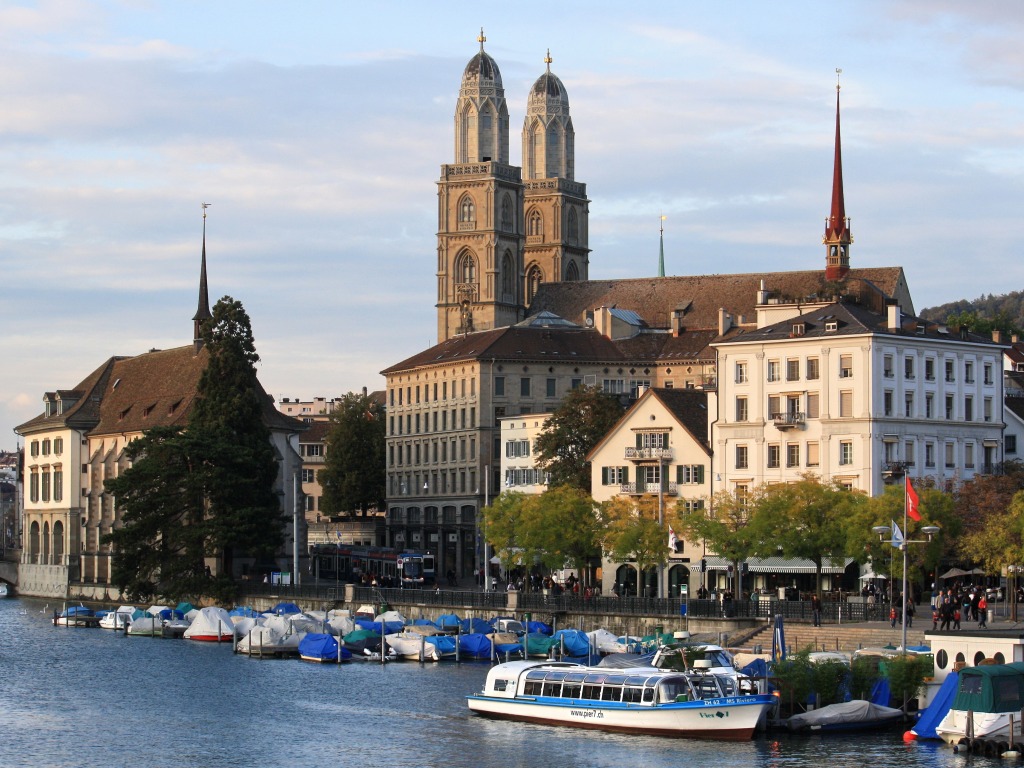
column 89, row 697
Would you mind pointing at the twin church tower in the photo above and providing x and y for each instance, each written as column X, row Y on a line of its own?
column 504, row 230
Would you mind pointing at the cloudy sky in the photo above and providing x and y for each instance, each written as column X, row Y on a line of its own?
column 316, row 131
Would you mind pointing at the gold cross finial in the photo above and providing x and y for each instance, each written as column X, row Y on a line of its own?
column 481, row 39
column 205, row 206
column 547, row 59
column 838, row 73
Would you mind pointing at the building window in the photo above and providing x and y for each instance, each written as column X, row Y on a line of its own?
column 792, row 370
column 988, row 373
column 908, row 405
column 46, row 484
column 34, row 450
column 908, row 368
column 968, row 372
column 741, row 409
column 969, row 455
column 812, row 368
column 774, row 454
column 550, row 387
column 845, row 404
column 692, row 505
column 774, row 406
column 929, row 369
column 614, row 475
column 741, row 457
column 813, row 407
column 792, row 454
column 887, row 367
column 524, row 386
column 690, row 474
column 929, row 405
column 968, row 408
column 887, row 403
column 741, row 373
column 950, row 371
column 58, row 483
column 845, row 453
column 846, row 366
column 613, row 386
column 929, row 455
column 908, row 452
column 499, row 386
column 1010, row 444
column 33, row 486
column 652, row 439
column 812, row 455
column 773, row 370
column 950, row 455
column 309, row 475
column 58, row 446
column 949, row 407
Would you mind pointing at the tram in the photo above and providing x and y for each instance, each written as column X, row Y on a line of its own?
column 348, row 563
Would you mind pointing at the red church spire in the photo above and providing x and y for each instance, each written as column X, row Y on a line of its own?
column 837, row 237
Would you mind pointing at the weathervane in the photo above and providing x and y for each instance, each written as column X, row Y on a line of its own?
column 481, row 39
column 838, row 73
column 547, row 59
column 205, row 206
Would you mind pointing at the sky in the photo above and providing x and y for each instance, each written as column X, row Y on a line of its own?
column 316, row 131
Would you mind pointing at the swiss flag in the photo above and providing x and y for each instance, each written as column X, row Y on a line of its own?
column 912, row 502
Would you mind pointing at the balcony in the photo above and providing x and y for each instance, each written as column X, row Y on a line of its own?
column 640, row 489
column 648, row 454
column 894, row 469
column 786, row 421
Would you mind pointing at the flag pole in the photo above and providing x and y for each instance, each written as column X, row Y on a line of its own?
column 906, row 536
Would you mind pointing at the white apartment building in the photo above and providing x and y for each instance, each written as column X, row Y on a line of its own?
column 855, row 395
column 519, row 470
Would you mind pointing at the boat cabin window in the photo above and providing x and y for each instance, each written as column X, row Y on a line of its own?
column 501, row 684
column 706, row 687
column 970, row 684
column 672, row 688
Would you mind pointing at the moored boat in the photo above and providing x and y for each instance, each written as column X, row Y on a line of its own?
column 640, row 700
column 76, row 616
column 855, row 715
column 987, row 705
column 211, row 625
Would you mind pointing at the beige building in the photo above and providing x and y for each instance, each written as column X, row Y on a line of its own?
column 659, row 449
column 78, row 442
column 519, row 470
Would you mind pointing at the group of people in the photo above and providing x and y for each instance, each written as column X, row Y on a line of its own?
column 952, row 606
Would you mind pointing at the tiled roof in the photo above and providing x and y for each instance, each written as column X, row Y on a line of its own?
column 655, row 298
column 852, row 319
column 690, row 407
column 316, row 432
column 132, row 394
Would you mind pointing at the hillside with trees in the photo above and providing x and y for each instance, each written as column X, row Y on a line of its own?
column 983, row 314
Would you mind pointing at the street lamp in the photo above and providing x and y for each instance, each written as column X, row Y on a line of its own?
column 1014, row 571
column 901, row 543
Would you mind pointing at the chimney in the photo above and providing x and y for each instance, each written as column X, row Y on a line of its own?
column 762, row 294
column 893, row 316
column 724, row 321
column 997, row 336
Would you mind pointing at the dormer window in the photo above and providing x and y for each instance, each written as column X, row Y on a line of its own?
column 798, row 329
column 831, row 326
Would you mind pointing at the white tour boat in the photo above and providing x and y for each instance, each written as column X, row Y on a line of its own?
column 690, row 704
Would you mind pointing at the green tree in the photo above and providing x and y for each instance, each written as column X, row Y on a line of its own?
column 1002, row 541
column 805, row 519
column 353, row 477
column 556, row 528
column 724, row 527
column 220, row 470
column 632, row 531
column 160, row 544
column 573, row 429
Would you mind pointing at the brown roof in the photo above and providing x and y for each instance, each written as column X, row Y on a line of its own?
column 655, row 298
column 133, row 394
column 316, row 432
column 690, row 407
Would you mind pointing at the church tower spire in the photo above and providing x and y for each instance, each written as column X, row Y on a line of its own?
column 838, row 235
column 202, row 315
column 661, row 248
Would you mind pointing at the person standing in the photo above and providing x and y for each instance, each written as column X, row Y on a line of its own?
column 982, row 612
column 816, row 609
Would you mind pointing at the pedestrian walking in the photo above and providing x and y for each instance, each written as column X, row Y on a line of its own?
column 982, row 612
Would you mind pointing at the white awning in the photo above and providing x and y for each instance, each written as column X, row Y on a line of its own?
column 778, row 565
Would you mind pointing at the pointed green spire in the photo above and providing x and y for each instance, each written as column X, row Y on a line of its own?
column 661, row 249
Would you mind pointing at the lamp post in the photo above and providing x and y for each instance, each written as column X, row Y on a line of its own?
column 901, row 543
column 1014, row 571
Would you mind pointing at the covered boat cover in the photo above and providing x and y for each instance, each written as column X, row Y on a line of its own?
column 256, row 638
column 209, row 622
column 285, row 609
column 538, row 626
column 392, row 616
column 448, row 622
column 185, row 607
column 362, row 641
column 388, row 628
column 538, row 644
column 606, row 642
column 931, row 717
column 244, row 610
column 445, row 644
column 846, row 716
column 77, row 610
column 991, row 688
column 572, row 642
column 323, row 647
column 476, row 646
column 476, row 627
column 341, row 625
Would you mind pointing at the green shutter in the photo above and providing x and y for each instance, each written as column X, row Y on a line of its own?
column 679, row 474
column 639, row 440
column 604, row 475
column 625, row 474
column 699, row 478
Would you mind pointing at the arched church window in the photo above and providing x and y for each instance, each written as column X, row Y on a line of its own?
column 467, row 270
column 572, row 274
column 506, row 214
column 574, row 226
column 533, row 280
column 467, row 211
column 536, row 223
column 507, row 275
